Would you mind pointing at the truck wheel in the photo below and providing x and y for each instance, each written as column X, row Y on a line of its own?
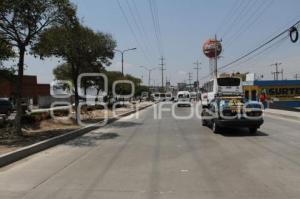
column 215, row 127
column 253, row 130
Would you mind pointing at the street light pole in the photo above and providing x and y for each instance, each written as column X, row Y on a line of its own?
column 122, row 56
column 149, row 73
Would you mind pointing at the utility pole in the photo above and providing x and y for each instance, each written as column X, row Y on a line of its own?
column 297, row 76
column 197, row 68
column 215, row 58
column 190, row 80
column 276, row 72
column 162, row 71
column 281, row 74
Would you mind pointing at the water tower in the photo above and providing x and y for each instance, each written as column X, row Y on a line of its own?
column 212, row 48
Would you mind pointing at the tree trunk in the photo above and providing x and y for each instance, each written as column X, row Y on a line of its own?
column 75, row 76
column 97, row 97
column 18, row 126
column 85, row 87
column 76, row 100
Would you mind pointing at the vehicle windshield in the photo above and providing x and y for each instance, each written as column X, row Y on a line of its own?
column 183, row 96
column 4, row 103
column 229, row 81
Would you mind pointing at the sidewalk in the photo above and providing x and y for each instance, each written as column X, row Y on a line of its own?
column 283, row 113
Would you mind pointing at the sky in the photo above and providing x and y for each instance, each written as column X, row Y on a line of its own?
column 184, row 25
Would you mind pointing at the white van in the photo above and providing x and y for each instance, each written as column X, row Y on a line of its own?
column 155, row 97
column 168, row 96
column 162, row 97
column 183, row 98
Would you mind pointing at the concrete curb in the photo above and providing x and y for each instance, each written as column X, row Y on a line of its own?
column 24, row 152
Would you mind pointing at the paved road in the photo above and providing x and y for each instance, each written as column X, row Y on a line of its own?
column 146, row 158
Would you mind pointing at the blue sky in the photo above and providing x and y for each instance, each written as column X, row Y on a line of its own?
column 184, row 27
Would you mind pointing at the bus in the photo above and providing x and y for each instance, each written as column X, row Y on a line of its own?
column 221, row 86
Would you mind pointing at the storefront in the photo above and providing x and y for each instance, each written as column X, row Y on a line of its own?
column 280, row 93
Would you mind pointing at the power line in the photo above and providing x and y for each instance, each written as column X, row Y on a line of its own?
column 259, row 47
column 252, row 19
column 235, row 6
column 132, row 30
column 237, row 17
column 139, row 18
column 242, row 18
column 136, row 23
column 156, row 25
column 265, row 50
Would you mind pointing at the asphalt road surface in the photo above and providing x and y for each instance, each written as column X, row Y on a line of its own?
column 147, row 158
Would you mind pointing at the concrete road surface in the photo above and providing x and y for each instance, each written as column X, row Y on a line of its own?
column 146, row 158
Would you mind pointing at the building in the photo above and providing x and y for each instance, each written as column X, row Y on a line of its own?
column 31, row 90
column 280, row 93
column 181, row 86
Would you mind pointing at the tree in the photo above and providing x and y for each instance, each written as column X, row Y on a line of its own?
column 21, row 22
column 82, row 49
column 5, row 50
column 7, row 74
column 64, row 72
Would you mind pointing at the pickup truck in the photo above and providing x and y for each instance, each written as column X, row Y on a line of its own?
column 232, row 112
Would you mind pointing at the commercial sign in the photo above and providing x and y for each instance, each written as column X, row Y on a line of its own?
column 283, row 91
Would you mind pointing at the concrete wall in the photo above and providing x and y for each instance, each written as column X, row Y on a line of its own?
column 46, row 101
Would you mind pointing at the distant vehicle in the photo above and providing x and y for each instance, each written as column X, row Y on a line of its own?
column 183, row 98
column 162, row 97
column 169, row 96
column 155, row 97
column 193, row 96
column 6, row 107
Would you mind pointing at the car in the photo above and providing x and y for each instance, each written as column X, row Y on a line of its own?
column 183, row 98
column 231, row 112
column 6, row 107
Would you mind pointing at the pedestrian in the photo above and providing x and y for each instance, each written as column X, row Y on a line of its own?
column 263, row 99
